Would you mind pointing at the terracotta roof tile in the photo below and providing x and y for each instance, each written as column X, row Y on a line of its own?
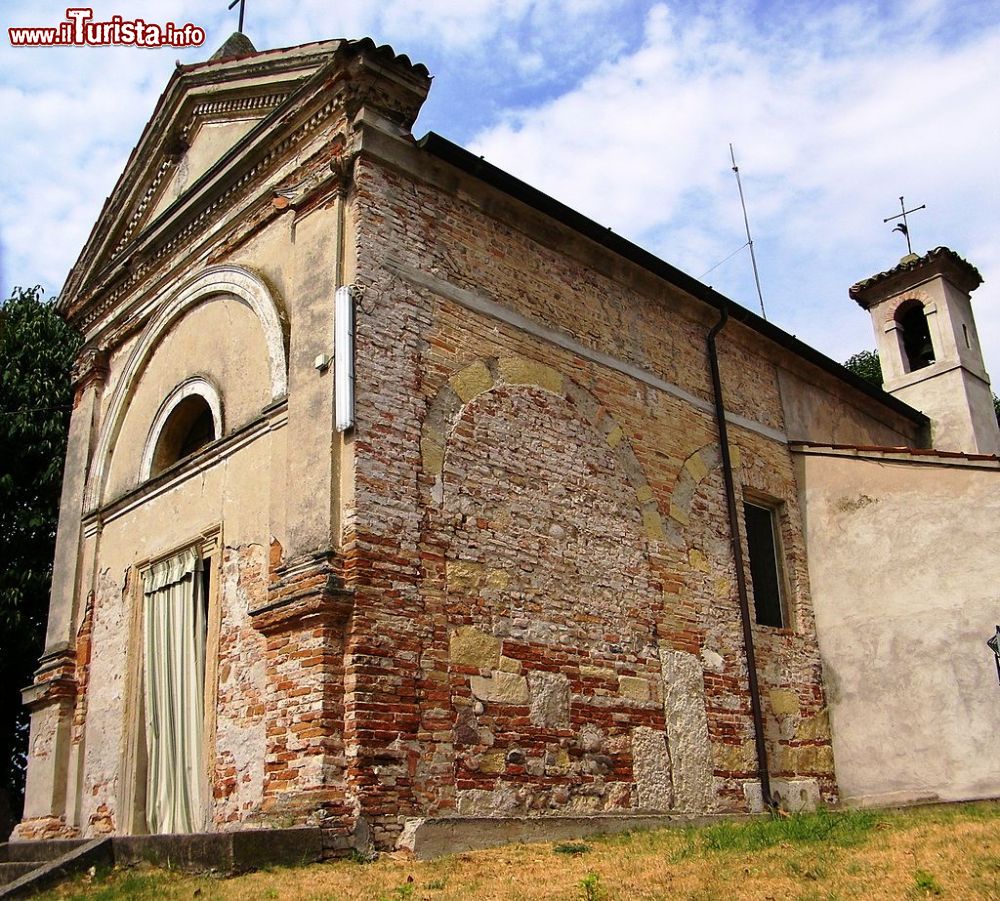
column 384, row 51
column 901, row 449
column 940, row 257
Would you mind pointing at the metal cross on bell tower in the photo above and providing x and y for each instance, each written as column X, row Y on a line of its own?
column 900, row 226
column 242, row 4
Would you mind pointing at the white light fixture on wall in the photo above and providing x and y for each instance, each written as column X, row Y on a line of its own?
column 343, row 356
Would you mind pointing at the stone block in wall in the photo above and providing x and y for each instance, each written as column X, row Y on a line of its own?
column 501, row 688
column 783, row 701
column 651, row 769
column 793, row 795
column 687, row 730
column 549, row 694
column 814, row 728
column 471, row 647
column 634, row 688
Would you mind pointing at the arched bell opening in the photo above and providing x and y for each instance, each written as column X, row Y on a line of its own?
column 915, row 335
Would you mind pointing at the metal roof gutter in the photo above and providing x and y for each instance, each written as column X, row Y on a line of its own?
column 486, row 172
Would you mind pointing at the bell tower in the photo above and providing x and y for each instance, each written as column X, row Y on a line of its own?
column 929, row 348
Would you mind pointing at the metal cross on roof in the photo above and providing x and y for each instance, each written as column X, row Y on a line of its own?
column 242, row 3
column 900, row 226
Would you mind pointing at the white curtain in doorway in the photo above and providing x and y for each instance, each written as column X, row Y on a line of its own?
column 174, row 631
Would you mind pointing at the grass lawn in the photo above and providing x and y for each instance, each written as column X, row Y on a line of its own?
column 945, row 851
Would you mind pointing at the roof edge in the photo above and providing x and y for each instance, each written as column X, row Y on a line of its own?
column 503, row 181
column 913, row 269
column 899, row 452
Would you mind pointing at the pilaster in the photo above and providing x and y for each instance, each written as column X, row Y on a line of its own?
column 89, row 374
column 51, row 700
column 53, row 695
column 304, row 622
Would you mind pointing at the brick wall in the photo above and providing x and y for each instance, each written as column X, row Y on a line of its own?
column 546, row 613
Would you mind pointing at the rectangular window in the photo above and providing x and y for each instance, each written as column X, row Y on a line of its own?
column 765, row 564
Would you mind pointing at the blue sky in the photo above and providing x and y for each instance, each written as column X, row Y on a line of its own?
column 622, row 109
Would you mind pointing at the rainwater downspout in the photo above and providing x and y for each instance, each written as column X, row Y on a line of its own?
column 741, row 581
column 341, row 251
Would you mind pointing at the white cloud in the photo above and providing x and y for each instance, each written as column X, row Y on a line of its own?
column 621, row 108
column 74, row 114
column 834, row 114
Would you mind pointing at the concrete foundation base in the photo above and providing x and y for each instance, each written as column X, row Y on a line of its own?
column 224, row 852
column 432, row 837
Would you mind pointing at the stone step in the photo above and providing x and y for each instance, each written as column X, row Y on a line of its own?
column 30, row 866
column 11, row 871
column 28, row 877
column 38, row 851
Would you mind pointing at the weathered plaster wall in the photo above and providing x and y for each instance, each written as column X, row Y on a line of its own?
column 820, row 409
column 912, row 687
column 220, row 339
column 960, row 404
column 233, row 493
column 258, row 492
column 232, row 490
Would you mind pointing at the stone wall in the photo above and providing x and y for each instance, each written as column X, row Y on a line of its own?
column 546, row 615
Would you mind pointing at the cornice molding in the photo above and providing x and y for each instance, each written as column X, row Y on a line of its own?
column 90, row 365
column 206, row 111
column 299, row 89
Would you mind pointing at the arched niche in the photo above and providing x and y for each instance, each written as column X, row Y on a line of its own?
column 226, row 283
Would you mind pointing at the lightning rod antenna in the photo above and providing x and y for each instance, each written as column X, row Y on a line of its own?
column 746, row 222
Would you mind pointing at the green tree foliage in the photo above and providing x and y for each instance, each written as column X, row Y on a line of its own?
column 36, row 351
column 866, row 365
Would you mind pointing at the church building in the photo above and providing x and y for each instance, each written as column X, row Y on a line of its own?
column 400, row 497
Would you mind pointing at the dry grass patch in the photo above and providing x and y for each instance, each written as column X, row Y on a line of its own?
column 947, row 852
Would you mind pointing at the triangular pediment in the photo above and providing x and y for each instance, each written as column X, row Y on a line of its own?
column 222, row 132
column 206, row 111
column 208, row 142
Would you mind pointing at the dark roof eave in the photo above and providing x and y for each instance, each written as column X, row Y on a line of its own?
column 938, row 260
column 503, row 181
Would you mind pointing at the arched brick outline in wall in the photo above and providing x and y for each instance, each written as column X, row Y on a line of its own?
column 483, row 375
column 526, row 644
